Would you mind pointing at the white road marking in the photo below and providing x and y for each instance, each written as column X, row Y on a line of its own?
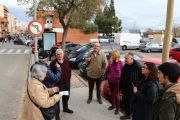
column 2, row 50
column 26, row 51
column 18, row 51
column 10, row 50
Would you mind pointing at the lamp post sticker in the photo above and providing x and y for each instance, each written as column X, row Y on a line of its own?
column 36, row 28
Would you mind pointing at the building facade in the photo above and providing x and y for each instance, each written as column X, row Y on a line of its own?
column 12, row 23
column 51, row 23
column 3, row 21
column 155, row 37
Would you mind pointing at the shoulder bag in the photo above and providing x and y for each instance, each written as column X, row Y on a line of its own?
column 48, row 113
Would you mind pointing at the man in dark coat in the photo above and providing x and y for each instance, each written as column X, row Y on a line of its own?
column 167, row 105
column 130, row 77
column 64, row 82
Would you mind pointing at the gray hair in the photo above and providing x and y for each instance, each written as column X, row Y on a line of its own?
column 59, row 50
column 38, row 71
column 43, row 60
column 131, row 55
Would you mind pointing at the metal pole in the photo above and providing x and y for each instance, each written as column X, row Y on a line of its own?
column 35, row 38
column 168, row 31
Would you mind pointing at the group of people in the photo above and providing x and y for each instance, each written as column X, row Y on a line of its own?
column 139, row 85
column 7, row 38
column 45, row 84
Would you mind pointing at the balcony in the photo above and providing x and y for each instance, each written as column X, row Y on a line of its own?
column 6, row 15
column 3, row 20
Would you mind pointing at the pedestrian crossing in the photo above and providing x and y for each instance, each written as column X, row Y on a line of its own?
column 14, row 51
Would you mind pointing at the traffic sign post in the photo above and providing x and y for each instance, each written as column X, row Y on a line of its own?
column 36, row 28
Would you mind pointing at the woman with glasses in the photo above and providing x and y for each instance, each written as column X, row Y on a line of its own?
column 147, row 91
column 115, row 67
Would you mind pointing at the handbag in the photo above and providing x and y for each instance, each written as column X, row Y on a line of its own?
column 48, row 113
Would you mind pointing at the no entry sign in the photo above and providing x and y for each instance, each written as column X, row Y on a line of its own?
column 36, row 27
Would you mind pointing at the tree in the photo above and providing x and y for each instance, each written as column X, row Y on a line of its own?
column 158, row 30
column 108, row 22
column 149, row 30
column 176, row 28
column 134, row 30
column 76, row 12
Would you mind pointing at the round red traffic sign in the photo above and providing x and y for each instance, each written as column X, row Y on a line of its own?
column 36, row 27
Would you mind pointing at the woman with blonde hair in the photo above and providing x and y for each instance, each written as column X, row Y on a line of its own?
column 115, row 67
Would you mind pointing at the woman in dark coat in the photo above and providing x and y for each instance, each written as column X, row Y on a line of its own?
column 147, row 91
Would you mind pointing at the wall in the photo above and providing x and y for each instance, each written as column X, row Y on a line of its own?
column 74, row 35
column 1, row 10
column 11, row 20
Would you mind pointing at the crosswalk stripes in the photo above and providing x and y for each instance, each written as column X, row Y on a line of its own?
column 13, row 51
column 10, row 50
column 2, row 50
column 18, row 51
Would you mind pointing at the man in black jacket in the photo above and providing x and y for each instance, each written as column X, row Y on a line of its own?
column 130, row 77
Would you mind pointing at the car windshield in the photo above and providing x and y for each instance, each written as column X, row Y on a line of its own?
column 142, row 63
column 143, row 44
column 177, row 45
column 22, row 38
column 178, row 39
column 83, row 49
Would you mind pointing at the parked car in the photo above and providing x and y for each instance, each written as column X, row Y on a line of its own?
column 78, row 56
column 19, row 40
column 71, row 47
column 128, row 40
column 175, row 41
column 150, row 46
column 174, row 53
column 176, row 45
column 27, row 42
column 58, row 44
column 83, row 66
column 156, row 61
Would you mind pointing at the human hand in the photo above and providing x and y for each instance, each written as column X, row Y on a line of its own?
column 56, row 89
column 60, row 95
column 111, row 60
column 135, row 89
column 57, row 65
column 89, row 59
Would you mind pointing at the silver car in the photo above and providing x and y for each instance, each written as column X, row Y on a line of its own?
column 150, row 46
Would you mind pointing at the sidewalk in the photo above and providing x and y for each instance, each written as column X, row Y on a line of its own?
column 82, row 110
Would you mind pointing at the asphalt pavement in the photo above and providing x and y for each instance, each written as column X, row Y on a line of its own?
column 14, row 64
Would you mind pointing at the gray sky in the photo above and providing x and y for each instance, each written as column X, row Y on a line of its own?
column 146, row 13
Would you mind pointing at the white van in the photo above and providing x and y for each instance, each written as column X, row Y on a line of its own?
column 128, row 40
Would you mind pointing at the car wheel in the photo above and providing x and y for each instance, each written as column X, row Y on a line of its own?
column 124, row 47
column 79, row 63
column 149, row 50
column 142, row 51
column 172, row 57
column 28, row 44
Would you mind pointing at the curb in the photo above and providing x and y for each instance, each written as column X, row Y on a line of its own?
column 80, row 78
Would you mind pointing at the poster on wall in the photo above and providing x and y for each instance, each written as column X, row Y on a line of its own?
column 49, row 38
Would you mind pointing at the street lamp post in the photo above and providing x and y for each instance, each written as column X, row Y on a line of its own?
column 35, row 38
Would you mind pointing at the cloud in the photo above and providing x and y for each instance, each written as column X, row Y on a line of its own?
column 146, row 13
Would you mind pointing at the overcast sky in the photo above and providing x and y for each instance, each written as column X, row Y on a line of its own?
column 146, row 13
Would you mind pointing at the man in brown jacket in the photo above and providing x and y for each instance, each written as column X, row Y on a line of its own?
column 97, row 63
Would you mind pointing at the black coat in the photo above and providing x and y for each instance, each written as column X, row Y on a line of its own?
column 146, row 95
column 136, row 76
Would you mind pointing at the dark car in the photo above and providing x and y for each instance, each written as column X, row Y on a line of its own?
column 77, row 57
column 156, row 61
column 19, row 40
column 83, row 66
column 71, row 47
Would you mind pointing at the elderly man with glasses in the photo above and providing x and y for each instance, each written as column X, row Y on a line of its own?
column 97, row 63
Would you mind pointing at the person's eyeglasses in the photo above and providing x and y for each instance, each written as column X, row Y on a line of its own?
column 96, row 46
column 144, row 67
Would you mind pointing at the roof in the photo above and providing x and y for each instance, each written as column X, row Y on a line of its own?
column 155, row 60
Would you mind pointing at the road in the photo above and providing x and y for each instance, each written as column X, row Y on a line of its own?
column 14, row 63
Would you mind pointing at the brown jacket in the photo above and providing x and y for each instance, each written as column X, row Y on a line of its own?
column 40, row 95
column 97, row 65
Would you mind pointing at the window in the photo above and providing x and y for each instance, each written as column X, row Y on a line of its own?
column 145, row 35
column 83, row 49
column 91, row 49
column 177, row 49
column 122, row 57
column 106, row 48
column 108, row 55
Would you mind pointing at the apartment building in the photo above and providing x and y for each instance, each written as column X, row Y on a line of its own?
column 12, row 23
column 3, row 21
column 51, row 23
